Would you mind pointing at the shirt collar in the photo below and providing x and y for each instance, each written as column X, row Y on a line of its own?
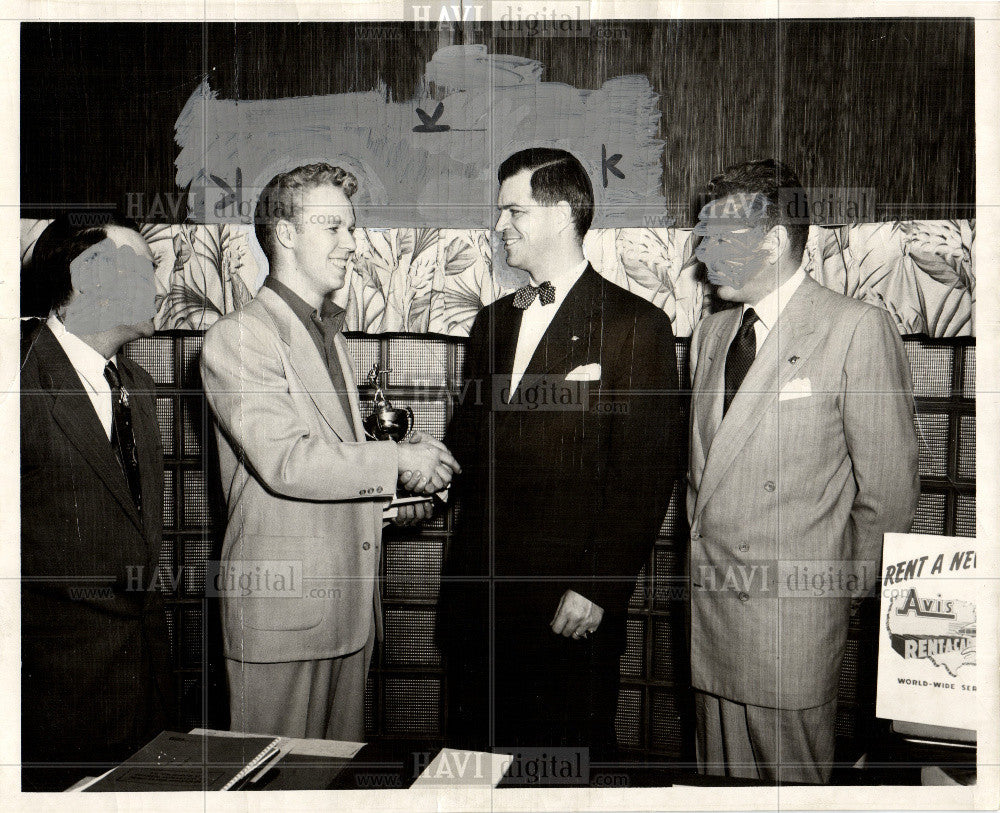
column 330, row 315
column 770, row 307
column 84, row 358
column 565, row 282
column 299, row 306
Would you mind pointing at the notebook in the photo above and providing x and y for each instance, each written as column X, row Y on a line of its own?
column 175, row 761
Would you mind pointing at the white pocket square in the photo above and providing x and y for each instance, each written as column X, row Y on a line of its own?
column 585, row 372
column 796, row 388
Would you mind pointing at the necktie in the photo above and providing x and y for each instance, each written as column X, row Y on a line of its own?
column 741, row 354
column 122, row 437
column 329, row 325
column 545, row 292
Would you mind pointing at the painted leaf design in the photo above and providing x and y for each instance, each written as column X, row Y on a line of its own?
column 241, row 294
column 456, row 307
column 690, row 300
column 907, row 318
column 185, row 308
column 938, row 249
column 829, row 261
column 458, row 256
column 365, row 307
column 646, row 256
column 424, row 240
column 875, row 248
column 182, row 250
column 419, row 289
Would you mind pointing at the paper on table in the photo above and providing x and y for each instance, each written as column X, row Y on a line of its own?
column 311, row 748
column 456, row 768
column 86, row 782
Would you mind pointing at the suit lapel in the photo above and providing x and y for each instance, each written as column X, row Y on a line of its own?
column 347, row 366
column 145, row 426
column 709, row 397
column 793, row 336
column 504, row 341
column 73, row 410
column 308, row 365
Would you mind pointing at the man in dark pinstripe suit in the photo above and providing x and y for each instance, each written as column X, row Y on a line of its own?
column 95, row 675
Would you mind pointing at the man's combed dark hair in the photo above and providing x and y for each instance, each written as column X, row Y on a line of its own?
column 775, row 181
column 46, row 284
column 282, row 197
column 555, row 176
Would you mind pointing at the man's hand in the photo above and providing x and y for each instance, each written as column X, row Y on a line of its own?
column 412, row 513
column 425, row 464
column 576, row 616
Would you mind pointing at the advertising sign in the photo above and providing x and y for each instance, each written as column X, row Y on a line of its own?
column 927, row 631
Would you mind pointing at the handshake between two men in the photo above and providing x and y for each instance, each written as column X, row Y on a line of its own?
column 425, row 468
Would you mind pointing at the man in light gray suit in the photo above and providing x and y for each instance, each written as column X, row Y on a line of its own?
column 802, row 455
column 305, row 491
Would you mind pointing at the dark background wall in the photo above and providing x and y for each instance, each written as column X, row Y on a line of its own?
column 887, row 104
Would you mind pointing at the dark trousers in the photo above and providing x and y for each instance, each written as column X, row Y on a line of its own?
column 525, row 687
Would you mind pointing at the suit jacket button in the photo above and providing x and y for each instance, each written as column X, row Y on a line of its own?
column 366, row 546
column 744, row 597
column 769, row 485
column 361, row 492
column 378, row 490
column 744, row 547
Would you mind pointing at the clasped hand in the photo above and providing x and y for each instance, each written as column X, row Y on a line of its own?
column 425, row 467
column 576, row 616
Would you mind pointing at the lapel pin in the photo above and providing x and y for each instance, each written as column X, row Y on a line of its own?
column 575, row 339
column 793, row 359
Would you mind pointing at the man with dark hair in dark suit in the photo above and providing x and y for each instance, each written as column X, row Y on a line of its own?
column 95, row 655
column 568, row 438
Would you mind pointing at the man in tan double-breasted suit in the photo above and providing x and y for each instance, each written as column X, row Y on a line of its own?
column 802, row 455
column 304, row 490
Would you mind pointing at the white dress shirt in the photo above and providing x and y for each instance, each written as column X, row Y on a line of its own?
column 536, row 320
column 770, row 307
column 89, row 365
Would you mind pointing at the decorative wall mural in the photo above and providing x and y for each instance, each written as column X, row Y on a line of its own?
column 426, row 280
column 430, row 161
column 922, row 272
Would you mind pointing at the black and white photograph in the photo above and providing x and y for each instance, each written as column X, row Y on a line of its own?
column 501, row 406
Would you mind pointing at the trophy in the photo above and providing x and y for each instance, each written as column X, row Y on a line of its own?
column 386, row 421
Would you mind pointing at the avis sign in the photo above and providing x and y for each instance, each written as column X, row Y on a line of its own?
column 927, row 631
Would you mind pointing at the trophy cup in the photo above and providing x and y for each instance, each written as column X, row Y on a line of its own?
column 386, row 421
column 389, row 423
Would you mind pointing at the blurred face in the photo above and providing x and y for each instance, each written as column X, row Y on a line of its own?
column 731, row 245
column 113, row 285
column 324, row 238
column 528, row 228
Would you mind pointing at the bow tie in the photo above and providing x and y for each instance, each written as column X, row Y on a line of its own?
column 545, row 292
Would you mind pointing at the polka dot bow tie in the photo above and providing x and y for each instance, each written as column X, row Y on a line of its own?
column 545, row 292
